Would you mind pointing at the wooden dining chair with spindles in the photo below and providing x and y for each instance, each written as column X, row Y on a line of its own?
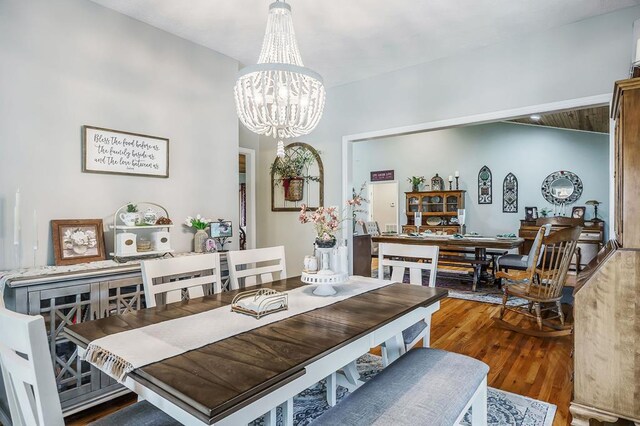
column 541, row 286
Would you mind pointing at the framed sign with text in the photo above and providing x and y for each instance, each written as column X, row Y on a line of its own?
column 117, row 152
column 382, row 175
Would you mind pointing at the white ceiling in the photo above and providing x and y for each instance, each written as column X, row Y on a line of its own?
column 350, row 40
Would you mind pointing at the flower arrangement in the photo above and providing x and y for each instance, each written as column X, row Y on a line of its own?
column 416, row 181
column 199, row 222
column 545, row 211
column 79, row 240
column 327, row 221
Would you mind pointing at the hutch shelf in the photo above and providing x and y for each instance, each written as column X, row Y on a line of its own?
column 439, row 210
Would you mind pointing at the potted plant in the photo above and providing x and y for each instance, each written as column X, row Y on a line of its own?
column 545, row 211
column 200, row 224
column 416, row 181
column 293, row 170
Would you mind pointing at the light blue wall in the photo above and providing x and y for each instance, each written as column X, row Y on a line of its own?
column 529, row 152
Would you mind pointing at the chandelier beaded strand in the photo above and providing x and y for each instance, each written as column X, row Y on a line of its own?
column 279, row 96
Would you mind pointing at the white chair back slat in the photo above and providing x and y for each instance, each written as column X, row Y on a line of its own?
column 27, row 371
column 169, row 277
column 245, row 266
column 428, row 255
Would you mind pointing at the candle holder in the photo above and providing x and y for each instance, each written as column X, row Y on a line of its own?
column 457, row 182
column 450, row 186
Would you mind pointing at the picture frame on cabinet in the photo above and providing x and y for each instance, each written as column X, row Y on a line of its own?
column 578, row 212
column 530, row 214
column 77, row 241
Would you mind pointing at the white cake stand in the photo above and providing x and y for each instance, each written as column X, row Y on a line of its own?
column 324, row 282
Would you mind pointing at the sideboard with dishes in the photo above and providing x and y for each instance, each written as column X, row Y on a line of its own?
column 438, row 210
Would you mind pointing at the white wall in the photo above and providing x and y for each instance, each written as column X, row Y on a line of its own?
column 71, row 62
column 383, row 202
column 577, row 60
column 529, row 152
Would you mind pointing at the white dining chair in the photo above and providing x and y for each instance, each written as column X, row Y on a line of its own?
column 423, row 258
column 27, row 374
column 258, row 266
column 172, row 280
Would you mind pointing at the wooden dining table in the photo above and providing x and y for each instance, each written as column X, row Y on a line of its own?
column 238, row 379
column 479, row 244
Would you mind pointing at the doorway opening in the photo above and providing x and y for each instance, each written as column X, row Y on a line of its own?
column 383, row 205
column 246, row 199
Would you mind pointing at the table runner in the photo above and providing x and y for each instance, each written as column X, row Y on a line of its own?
column 120, row 353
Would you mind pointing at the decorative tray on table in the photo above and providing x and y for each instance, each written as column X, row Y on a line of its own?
column 261, row 302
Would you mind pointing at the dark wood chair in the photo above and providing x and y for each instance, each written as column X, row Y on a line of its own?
column 541, row 285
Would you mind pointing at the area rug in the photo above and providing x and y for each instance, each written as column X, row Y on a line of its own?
column 459, row 287
column 503, row 408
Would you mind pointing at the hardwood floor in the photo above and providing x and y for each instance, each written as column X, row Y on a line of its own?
column 536, row 367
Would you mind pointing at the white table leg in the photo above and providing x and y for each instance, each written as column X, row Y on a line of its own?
column 287, row 412
column 270, row 418
column 331, row 389
column 394, row 349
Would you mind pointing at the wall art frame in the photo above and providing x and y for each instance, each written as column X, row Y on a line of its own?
column 116, row 152
column 77, row 241
column 313, row 182
column 485, row 186
column 510, row 194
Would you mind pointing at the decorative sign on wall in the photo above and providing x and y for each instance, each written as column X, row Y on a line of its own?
column 117, row 152
column 382, row 175
column 485, row 186
column 510, row 194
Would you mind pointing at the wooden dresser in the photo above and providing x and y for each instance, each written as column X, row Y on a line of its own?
column 607, row 295
column 590, row 242
column 439, row 208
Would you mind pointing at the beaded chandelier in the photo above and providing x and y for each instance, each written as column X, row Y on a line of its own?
column 279, row 96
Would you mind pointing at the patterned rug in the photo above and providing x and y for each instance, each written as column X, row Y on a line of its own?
column 459, row 286
column 503, row 408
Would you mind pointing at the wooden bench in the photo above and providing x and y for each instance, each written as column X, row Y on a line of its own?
column 424, row 387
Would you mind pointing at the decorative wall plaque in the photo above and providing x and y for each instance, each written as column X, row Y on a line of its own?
column 117, row 152
column 485, row 195
column 510, row 194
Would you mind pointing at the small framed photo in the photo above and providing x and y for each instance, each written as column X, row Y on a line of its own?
column 578, row 212
column 530, row 213
column 221, row 229
column 77, row 241
column 210, row 245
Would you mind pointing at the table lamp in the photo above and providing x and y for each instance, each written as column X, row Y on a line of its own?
column 595, row 205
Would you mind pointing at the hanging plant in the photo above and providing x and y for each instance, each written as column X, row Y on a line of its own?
column 293, row 170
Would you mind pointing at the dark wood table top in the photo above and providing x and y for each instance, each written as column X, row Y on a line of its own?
column 220, row 378
column 469, row 242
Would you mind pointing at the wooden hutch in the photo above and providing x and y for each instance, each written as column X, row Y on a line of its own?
column 607, row 294
column 439, row 211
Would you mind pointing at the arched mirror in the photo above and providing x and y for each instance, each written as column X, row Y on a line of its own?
column 562, row 187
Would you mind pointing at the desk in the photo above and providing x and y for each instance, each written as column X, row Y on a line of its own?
column 266, row 366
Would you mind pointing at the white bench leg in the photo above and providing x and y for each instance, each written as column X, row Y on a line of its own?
column 479, row 405
column 332, row 389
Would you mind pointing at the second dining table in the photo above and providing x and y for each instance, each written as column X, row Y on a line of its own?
column 242, row 377
column 479, row 244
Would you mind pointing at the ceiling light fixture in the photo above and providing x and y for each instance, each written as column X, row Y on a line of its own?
column 536, row 117
column 279, row 96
